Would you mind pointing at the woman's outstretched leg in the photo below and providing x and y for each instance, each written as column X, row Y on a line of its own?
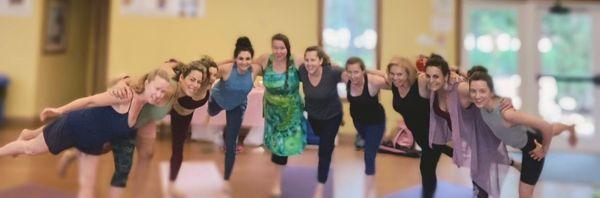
column 34, row 146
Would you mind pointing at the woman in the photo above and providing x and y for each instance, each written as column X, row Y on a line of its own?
column 193, row 92
column 230, row 93
column 285, row 125
column 411, row 100
column 514, row 128
column 454, row 118
column 88, row 123
column 367, row 114
column 123, row 148
column 322, row 103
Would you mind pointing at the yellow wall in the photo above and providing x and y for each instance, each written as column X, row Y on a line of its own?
column 402, row 22
column 19, row 48
column 62, row 76
column 138, row 44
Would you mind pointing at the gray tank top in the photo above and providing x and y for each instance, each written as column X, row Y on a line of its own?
column 515, row 136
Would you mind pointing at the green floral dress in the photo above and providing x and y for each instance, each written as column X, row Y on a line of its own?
column 285, row 125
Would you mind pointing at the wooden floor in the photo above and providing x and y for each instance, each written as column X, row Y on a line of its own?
column 254, row 173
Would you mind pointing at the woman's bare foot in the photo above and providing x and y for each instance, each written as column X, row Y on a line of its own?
column 572, row 136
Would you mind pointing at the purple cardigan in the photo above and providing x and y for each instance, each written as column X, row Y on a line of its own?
column 475, row 146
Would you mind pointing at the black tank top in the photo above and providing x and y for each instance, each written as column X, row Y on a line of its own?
column 189, row 103
column 415, row 111
column 365, row 109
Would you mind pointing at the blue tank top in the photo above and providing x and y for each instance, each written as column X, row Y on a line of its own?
column 233, row 92
column 92, row 127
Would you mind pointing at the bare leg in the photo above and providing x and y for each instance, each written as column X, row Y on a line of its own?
column 515, row 164
column 35, row 146
column 276, row 190
column 145, row 144
column 27, row 134
column 525, row 190
column 370, row 191
column 319, row 190
column 88, row 169
column 174, row 192
column 66, row 158
column 116, row 192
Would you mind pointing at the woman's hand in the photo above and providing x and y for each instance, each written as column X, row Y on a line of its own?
column 48, row 113
column 538, row 153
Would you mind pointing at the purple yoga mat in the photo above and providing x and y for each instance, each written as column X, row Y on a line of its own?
column 443, row 190
column 300, row 182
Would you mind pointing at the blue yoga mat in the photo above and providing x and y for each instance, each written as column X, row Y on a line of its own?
column 569, row 167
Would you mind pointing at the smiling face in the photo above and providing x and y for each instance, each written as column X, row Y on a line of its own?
column 243, row 60
column 355, row 72
column 398, row 75
column 155, row 90
column 191, row 83
column 279, row 49
column 435, row 78
column 212, row 73
column 480, row 93
column 312, row 62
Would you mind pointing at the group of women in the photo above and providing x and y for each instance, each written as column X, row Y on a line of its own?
column 462, row 119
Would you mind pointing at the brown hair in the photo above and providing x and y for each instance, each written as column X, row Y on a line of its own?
column 354, row 60
column 320, row 53
column 483, row 76
column 288, row 61
column 202, row 65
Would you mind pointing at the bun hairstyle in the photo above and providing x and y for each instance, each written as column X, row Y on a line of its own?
column 480, row 73
column 439, row 62
column 476, row 68
column 243, row 44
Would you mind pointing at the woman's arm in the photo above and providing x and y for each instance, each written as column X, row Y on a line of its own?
column 383, row 75
column 515, row 117
column 376, row 83
column 262, row 60
column 101, row 99
column 423, row 89
column 463, row 93
column 298, row 60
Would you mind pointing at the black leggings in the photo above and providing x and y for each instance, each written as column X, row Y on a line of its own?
column 326, row 130
column 279, row 160
column 180, row 126
column 428, row 166
column 531, row 169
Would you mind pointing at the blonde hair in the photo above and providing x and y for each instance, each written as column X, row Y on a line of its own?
column 405, row 64
column 139, row 86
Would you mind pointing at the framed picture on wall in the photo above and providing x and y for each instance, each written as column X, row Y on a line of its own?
column 55, row 33
column 20, row 8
